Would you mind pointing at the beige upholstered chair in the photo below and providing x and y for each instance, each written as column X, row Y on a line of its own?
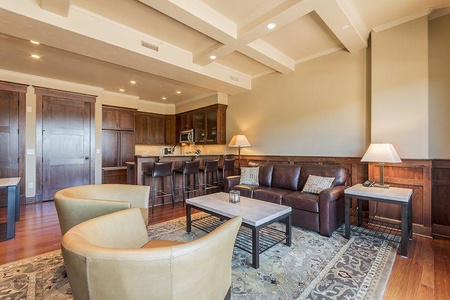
column 110, row 257
column 80, row 203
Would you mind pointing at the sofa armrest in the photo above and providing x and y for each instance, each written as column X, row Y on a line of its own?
column 331, row 209
column 331, row 194
column 231, row 181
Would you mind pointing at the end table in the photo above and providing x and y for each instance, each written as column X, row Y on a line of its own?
column 393, row 195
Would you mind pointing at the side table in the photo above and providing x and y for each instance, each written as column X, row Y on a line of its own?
column 393, row 195
column 13, row 204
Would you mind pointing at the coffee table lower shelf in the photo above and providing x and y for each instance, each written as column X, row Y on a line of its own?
column 268, row 236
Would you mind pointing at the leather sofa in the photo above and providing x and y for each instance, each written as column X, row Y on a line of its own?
column 283, row 184
column 110, row 257
column 81, row 203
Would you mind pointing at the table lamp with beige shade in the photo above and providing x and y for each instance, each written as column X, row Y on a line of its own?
column 381, row 153
column 239, row 140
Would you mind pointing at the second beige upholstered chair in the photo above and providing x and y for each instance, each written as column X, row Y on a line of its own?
column 80, row 203
column 110, row 257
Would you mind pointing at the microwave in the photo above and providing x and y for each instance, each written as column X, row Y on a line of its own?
column 187, row 136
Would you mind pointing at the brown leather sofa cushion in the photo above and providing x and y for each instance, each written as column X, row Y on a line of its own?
column 303, row 201
column 339, row 173
column 286, row 177
column 265, row 173
column 269, row 194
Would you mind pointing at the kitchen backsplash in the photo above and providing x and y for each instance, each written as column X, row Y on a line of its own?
column 204, row 149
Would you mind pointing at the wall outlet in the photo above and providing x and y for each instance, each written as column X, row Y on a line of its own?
column 30, row 151
column 30, row 185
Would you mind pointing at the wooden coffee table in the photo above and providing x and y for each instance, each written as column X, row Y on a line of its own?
column 254, row 235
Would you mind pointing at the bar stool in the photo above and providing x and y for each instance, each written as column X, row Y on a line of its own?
column 227, row 169
column 210, row 167
column 160, row 170
column 190, row 169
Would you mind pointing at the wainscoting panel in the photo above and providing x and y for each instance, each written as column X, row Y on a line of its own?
column 441, row 197
column 411, row 174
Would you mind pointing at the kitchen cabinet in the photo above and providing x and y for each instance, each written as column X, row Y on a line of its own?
column 209, row 124
column 150, row 129
column 118, row 148
column 115, row 118
column 170, row 130
column 117, row 143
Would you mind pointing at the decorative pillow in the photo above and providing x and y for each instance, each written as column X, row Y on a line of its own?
column 316, row 184
column 249, row 176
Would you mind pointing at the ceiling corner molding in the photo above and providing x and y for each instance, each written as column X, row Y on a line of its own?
column 60, row 7
column 46, row 82
column 439, row 13
column 400, row 21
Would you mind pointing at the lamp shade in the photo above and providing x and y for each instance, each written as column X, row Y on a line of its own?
column 381, row 153
column 239, row 140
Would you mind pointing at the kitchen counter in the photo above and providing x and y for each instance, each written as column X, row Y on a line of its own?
column 143, row 162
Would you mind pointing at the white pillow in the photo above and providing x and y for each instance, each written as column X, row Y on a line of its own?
column 316, row 184
column 249, row 176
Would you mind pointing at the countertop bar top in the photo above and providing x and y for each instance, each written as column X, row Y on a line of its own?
column 179, row 155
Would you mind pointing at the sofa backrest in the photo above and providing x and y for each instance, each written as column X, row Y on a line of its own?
column 339, row 173
column 265, row 173
column 286, row 176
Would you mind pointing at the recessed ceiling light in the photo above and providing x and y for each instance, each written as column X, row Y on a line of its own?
column 122, row 90
column 271, row 26
column 213, row 57
column 164, row 98
column 35, row 56
column 132, row 82
column 34, row 42
column 178, row 92
column 345, row 27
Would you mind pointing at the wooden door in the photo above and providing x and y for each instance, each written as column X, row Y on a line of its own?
column 9, row 134
column 66, row 144
column 9, row 138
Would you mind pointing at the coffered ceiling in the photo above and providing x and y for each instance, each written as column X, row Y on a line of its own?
column 166, row 45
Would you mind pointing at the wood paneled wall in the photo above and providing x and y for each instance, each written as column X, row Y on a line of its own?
column 441, row 197
column 411, row 173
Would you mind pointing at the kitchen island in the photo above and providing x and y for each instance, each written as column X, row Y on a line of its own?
column 142, row 163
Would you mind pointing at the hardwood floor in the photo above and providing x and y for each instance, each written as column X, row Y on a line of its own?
column 425, row 274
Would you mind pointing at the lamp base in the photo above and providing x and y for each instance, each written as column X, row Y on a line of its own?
column 384, row 186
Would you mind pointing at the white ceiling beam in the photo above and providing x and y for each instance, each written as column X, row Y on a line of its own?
column 202, row 18
column 338, row 13
column 91, row 35
column 60, row 7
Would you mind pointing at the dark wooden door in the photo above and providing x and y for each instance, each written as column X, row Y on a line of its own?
column 66, row 142
column 9, row 138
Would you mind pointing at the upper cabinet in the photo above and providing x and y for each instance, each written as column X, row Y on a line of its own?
column 209, row 124
column 150, row 129
column 117, row 118
column 170, row 130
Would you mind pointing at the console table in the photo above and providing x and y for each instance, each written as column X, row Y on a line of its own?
column 393, row 195
column 13, row 204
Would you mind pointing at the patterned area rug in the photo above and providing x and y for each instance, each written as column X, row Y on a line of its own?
column 314, row 267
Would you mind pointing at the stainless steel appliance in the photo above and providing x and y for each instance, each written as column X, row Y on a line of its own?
column 187, row 136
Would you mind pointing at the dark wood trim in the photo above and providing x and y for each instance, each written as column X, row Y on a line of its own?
column 14, row 87
column 39, row 91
